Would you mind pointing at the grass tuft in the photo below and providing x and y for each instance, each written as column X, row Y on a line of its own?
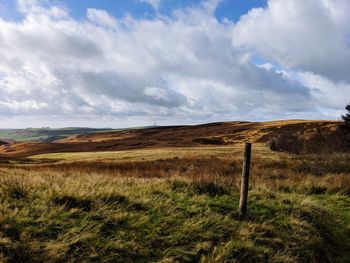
column 209, row 188
column 15, row 189
column 70, row 202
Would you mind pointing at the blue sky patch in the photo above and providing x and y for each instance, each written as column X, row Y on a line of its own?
column 230, row 9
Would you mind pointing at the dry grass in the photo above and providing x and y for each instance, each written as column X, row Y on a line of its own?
column 321, row 140
column 175, row 205
column 225, row 133
column 270, row 170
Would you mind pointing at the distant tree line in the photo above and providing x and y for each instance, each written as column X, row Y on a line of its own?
column 346, row 119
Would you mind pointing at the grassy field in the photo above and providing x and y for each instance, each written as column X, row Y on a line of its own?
column 175, row 205
column 43, row 134
column 223, row 152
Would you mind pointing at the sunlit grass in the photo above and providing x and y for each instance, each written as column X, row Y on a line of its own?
column 226, row 152
column 175, row 205
column 60, row 217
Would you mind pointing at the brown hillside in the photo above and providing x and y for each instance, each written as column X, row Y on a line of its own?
column 224, row 133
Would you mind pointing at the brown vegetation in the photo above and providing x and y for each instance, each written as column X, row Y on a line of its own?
column 226, row 133
column 173, row 204
column 303, row 173
column 322, row 140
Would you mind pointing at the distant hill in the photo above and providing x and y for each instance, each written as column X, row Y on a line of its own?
column 3, row 142
column 223, row 133
column 44, row 134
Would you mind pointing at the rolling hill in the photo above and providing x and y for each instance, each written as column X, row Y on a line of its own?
column 43, row 134
column 221, row 133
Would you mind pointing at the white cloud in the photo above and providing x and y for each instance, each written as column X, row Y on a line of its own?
column 329, row 94
column 267, row 66
column 169, row 70
column 154, row 3
column 305, row 35
column 101, row 17
column 41, row 7
column 26, row 105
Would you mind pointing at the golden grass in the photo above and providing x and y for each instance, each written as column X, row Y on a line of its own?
column 224, row 152
column 220, row 164
column 175, row 205
column 71, row 217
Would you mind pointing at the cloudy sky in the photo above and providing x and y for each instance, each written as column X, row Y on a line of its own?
column 118, row 63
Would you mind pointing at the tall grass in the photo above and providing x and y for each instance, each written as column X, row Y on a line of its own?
column 301, row 173
column 176, row 210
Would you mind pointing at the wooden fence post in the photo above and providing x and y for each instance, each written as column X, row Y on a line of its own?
column 245, row 180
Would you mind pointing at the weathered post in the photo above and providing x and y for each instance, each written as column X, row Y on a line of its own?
column 245, row 180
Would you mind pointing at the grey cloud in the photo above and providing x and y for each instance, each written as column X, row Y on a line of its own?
column 182, row 68
column 128, row 88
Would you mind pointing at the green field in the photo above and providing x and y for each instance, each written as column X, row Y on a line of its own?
column 43, row 134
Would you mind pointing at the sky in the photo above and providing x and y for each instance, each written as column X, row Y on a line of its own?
column 126, row 63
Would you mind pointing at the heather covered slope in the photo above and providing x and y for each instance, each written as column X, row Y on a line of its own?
column 225, row 133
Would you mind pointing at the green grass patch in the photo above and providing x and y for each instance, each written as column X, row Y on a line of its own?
column 44, row 134
column 58, row 217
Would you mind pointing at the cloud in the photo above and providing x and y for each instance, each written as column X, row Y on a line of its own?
column 301, row 35
column 101, row 17
column 41, row 7
column 154, row 3
column 175, row 69
column 27, row 105
column 329, row 94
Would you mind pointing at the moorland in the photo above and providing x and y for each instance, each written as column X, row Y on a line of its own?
column 170, row 194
